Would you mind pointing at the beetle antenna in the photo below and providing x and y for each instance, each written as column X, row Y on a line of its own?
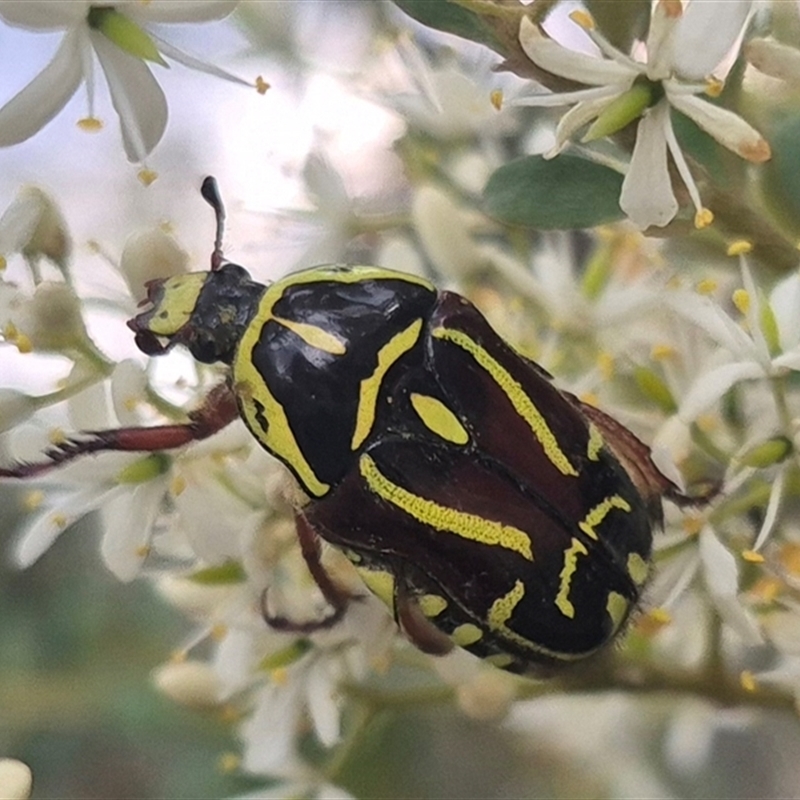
column 210, row 192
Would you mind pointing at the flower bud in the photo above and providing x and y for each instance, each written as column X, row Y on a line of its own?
column 190, row 683
column 52, row 319
column 33, row 225
column 16, row 780
column 148, row 255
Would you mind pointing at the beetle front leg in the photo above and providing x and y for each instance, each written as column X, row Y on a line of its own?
column 218, row 410
column 336, row 597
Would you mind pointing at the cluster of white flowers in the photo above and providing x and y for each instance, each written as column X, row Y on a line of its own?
column 703, row 365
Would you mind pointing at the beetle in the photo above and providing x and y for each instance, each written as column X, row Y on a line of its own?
column 486, row 507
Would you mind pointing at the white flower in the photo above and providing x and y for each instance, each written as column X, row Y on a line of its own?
column 682, row 50
column 115, row 34
column 34, row 226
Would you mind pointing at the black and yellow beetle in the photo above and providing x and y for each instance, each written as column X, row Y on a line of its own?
column 487, row 508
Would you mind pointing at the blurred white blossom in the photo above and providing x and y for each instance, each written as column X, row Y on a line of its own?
column 682, row 50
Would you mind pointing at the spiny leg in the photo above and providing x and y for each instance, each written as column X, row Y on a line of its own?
column 336, row 597
column 218, row 410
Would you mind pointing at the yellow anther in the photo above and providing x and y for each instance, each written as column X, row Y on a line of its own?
column 790, row 558
column 279, row 676
column 605, row 363
column 692, row 525
column 748, row 681
column 752, row 556
column 706, row 286
column 766, row 590
column 228, row 763
column 179, row 656
column 59, row 520
column 262, row 85
column 218, row 631
column 56, row 436
column 3, row 263
column 703, row 218
column 90, row 124
column 23, row 343
column 662, row 352
column 741, row 299
column 143, row 551
column 714, row 86
column 496, row 98
column 653, row 621
column 147, row 176
column 32, row 500
column 177, row 486
column 739, row 247
column 584, row 19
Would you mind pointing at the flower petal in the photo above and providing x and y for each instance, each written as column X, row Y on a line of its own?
column 705, row 34
column 43, row 16
column 647, row 197
column 128, row 521
column 575, row 119
column 137, row 98
column 198, row 64
column 774, row 58
column 176, row 10
column 712, row 385
column 722, row 579
column 32, row 108
column 727, row 128
column 553, row 57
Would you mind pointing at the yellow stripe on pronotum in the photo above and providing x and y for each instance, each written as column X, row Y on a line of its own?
column 398, row 345
column 600, row 512
column 565, row 576
column 263, row 414
column 314, row 336
column 439, row 418
column 519, row 398
column 442, row 518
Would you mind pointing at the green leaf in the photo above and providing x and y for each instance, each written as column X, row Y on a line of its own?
column 556, row 194
column 443, row 15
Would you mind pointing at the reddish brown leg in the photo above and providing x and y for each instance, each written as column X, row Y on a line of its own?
column 416, row 626
column 218, row 410
column 336, row 597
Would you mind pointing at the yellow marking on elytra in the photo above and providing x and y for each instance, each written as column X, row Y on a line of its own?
column 599, row 513
column 637, row 568
column 439, row 418
column 442, row 518
column 500, row 660
column 397, row 346
column 257, row 401
column 178, row 301
column 501, row 611
column 314, row 336
column 380, row 583
column 466, row 634
column 522, row 403
column 432, row 605
column 617, row 607
column 595, row 444
column 571, row 554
